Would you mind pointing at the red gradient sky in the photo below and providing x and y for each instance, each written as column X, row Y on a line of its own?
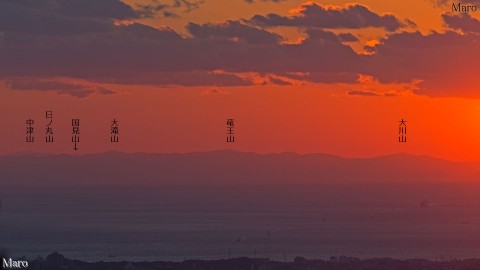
column 442, row 114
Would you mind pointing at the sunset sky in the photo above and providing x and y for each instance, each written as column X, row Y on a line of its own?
column 302, row 76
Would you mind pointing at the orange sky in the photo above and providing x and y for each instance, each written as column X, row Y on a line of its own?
column 305, row 118
column 269, row 119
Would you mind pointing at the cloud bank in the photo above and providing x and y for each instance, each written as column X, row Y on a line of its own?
column 100, row 42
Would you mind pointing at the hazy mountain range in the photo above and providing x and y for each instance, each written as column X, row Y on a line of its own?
column 223, row 168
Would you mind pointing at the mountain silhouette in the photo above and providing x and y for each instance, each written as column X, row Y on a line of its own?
column 224, row 168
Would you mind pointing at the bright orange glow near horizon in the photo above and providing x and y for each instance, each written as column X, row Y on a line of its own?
column 268, row 119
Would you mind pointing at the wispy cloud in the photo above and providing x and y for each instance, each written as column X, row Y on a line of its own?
column 59, row 86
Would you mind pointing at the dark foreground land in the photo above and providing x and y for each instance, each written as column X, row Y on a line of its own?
column 56, row 261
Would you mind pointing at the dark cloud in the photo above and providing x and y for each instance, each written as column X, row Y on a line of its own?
column 46, row 20
column 169, row 14
column 320, row 34
column 352, row 16
column 151, row 9
column 279, row 81
column 131, row 50
column 60, row 87
column 322, row 77
column 233, row 30
column 363, row 93
column 155, row 8
column 442, row 63
column 462, row 22
column 187, row 4
column 139, row 54
column 126, row 47
column 115, row 9
column 347, row 37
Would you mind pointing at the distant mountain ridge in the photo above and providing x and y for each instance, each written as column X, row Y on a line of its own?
column 223, row 168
